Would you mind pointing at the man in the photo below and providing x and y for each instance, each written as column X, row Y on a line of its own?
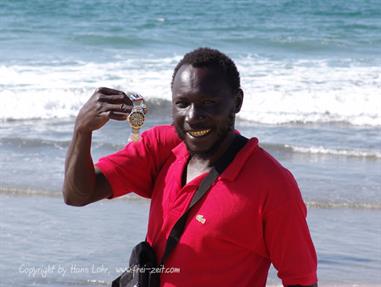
column 252, row 216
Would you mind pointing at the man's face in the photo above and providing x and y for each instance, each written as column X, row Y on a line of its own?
column 203, row 109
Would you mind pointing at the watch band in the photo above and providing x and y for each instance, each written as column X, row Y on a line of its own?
column 137, row 115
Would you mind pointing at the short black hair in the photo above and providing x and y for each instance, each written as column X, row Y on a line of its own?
column 211, row 58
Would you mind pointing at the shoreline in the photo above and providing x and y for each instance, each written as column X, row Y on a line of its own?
column 311, row 204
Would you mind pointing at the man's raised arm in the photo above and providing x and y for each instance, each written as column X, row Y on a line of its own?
column 83, row 183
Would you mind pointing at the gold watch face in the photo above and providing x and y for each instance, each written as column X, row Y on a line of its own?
column 136, row 119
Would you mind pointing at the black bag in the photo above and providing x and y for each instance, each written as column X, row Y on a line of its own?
column 144, row 271
column 143, row 268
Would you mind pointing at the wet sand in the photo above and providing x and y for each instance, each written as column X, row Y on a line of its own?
column 41, row 236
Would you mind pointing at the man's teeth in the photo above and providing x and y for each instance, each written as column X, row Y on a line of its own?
column 199, row 133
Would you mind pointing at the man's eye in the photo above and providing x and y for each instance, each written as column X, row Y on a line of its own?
column 209, row 102
column 181, row 105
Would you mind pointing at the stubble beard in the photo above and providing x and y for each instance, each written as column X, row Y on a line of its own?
column 222, row 132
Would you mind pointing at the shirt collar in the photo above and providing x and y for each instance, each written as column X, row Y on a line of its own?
column 180, row 151
column 234, row 168
column 231, row 172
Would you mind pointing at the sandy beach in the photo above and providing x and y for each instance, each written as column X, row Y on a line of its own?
column 45, row 243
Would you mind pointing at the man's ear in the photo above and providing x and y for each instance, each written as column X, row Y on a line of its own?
column 238, row 100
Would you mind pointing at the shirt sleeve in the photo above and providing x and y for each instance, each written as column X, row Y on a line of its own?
column 135, row 167
column 287, row 236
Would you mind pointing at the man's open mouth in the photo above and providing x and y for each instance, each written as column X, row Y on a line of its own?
column 199, row 133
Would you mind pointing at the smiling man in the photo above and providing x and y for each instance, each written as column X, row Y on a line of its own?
column 252, row 216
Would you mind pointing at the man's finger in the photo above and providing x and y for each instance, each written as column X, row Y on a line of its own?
column 108, row 91
column 120, row 108
column 114, row 99
column 117, row 116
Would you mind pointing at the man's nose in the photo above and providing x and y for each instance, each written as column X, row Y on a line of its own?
column 195, row 114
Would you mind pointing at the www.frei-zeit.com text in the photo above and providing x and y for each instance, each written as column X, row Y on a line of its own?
column 44, row 271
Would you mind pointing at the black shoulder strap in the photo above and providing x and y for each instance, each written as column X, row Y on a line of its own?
column 174, row 237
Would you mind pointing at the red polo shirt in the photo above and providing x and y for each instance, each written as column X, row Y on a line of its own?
column 252, row 216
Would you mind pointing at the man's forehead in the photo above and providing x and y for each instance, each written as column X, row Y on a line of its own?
column 190, row 75
column 185, row 74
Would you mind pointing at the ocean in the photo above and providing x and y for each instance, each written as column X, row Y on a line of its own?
column 311, row 73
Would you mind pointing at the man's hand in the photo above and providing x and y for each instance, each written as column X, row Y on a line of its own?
column 103, row 105
column 82, row 183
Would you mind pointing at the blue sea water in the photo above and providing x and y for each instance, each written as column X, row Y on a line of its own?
column 311, row 73
column 80, row 30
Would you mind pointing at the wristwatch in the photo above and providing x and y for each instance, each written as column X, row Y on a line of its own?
column 137, row 115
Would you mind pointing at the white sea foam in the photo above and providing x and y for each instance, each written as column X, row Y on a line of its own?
column 311, row 91
column 59, row 91
column 275, row 91
column 319, row 150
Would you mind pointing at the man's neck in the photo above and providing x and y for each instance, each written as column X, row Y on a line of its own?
column 200, row 164
column 208, row 161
